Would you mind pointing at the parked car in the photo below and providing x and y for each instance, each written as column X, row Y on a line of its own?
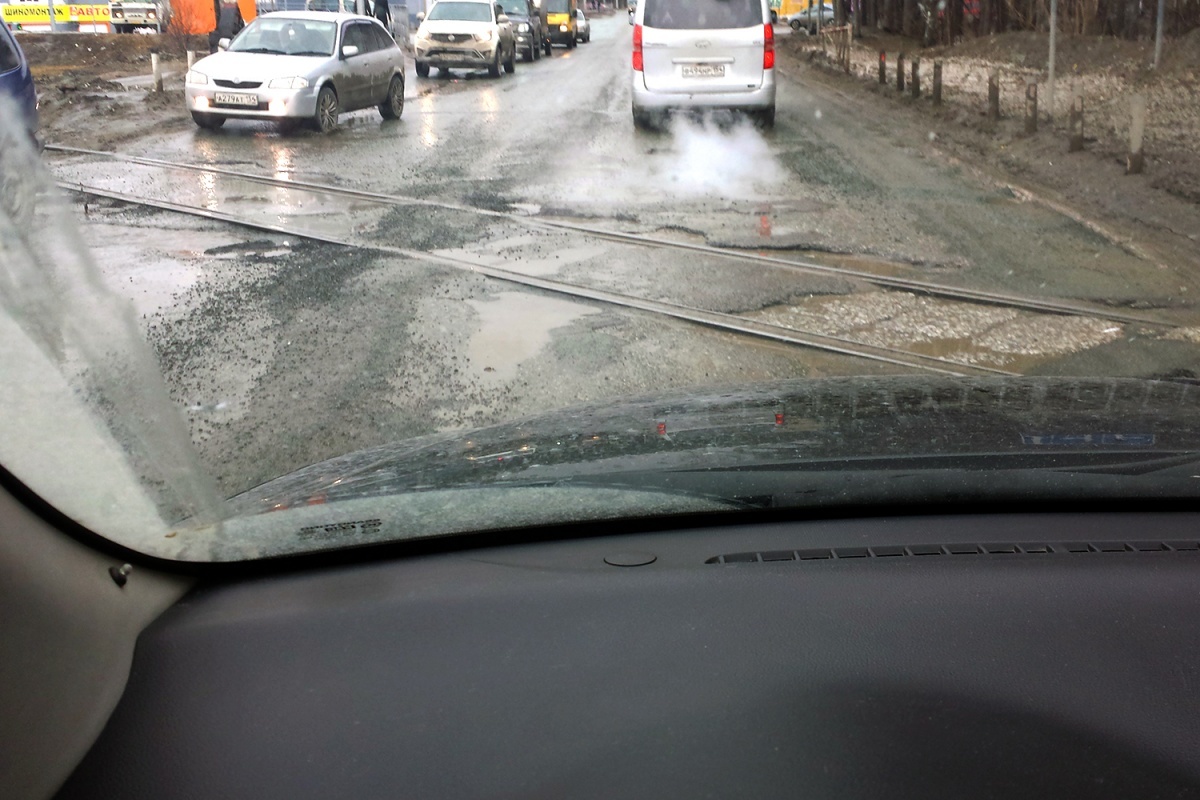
column 529, row 28
column 704, row 54
column 466, row 34
column 807, row 18
column 16, row 81
column 299, row 66
column 583, row 28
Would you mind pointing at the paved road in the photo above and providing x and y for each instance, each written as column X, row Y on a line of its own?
column 286, row 352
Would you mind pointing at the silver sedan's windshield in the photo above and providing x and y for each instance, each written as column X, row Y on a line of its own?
column 286, row 37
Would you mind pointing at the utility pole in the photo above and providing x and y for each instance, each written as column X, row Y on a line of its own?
column 1053, row 44
column 1158, row 29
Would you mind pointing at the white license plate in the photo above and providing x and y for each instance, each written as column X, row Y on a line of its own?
column 227, row 99
column 704, row 70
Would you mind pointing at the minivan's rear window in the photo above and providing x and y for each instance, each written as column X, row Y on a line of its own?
column 702, row 14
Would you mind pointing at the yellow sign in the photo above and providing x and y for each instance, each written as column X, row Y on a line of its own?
column 30, row 14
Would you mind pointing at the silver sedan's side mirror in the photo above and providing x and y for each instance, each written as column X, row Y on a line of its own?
column 349, row 51
column 223, row 44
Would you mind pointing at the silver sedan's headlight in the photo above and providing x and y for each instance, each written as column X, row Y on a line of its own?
column 523, row 27
column 288, row 83
column 194, row 78
column 484, row 37
column 422, row 34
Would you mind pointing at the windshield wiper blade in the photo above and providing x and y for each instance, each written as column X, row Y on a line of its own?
column 266, row 50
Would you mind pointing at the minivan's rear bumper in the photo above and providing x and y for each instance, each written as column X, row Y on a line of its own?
column 748, row 100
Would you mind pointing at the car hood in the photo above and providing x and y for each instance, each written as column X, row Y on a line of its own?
column 258, row 66
column 454, row 26
column 803, row 443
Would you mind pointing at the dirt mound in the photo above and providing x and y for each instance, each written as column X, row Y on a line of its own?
column 101, row 53
column 1182, row 53
column 1075, row 53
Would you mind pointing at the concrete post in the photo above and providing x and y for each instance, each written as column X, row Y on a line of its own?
column 156, row 68
column 1031, row 107
column 1135, row 162
column 916, row 78
column 993, row 113
column 1075, row 120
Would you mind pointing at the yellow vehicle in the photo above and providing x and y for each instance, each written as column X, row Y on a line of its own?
column 560, row 21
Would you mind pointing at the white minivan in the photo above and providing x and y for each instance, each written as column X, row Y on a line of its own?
column 703, row 54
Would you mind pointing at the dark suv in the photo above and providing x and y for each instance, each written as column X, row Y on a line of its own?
column 529, row 28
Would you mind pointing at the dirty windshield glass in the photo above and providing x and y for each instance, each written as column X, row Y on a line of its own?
column 8, row 55
column 286, row 37
column 468, row 12
column 515, row 7
column 706, row 258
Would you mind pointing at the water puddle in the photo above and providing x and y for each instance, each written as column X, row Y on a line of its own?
column 514, row 327
column 533, row 254
column 151, row 266
column 317, row 212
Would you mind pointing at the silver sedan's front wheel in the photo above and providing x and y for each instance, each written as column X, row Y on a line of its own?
column 393, row 105
column 326, row 117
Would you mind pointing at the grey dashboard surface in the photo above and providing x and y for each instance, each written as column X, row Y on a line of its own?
column 924, row 657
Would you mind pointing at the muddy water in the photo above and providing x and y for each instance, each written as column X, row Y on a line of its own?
column 513, row 327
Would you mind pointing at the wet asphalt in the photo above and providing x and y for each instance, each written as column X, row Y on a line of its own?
column 284, row 351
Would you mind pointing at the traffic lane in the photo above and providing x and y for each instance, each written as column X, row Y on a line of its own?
column 557, row 139
column 457, row 130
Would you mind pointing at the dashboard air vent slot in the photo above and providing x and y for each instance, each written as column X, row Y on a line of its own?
column 922, row 550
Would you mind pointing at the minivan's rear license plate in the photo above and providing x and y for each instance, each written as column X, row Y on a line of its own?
column 704, row 70
column 224, row 99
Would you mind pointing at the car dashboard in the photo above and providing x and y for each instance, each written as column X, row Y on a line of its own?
column 1048, row 653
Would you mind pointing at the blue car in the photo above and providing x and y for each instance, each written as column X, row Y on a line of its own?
column 16, row 81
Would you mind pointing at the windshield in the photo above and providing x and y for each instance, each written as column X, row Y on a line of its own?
column 512, row 8
column 8, row 54
column 675, row 263
column 467, row 12
column 283, row 36
column 557, row 6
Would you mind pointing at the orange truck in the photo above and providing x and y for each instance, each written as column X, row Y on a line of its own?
column 199, row 16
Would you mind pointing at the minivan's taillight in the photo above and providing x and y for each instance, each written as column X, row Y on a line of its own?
column 637, row 48
column 768, row 47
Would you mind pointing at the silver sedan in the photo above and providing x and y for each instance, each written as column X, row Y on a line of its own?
column 583, row 28
column 301, row 66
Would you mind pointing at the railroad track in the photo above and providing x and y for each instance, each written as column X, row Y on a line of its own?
column 717, row 320
column 1024, row 303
